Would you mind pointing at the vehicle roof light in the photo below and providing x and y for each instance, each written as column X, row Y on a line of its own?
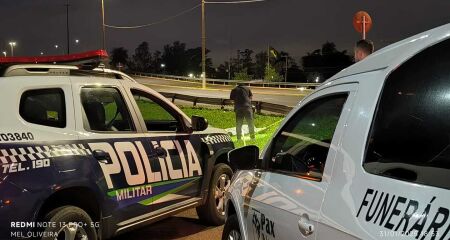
column 85, row 60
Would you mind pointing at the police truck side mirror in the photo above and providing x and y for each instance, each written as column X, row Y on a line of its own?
column 244, row 158
column 199, row 123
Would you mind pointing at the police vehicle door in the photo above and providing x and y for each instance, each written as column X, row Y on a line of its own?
column 288, row 193
column 111, row 130
column 176, row 167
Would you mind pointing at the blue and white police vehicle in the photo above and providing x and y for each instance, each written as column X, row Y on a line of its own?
column 365, row 156
column 89, row 154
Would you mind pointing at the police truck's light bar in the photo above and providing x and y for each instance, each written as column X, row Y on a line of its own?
column 91, row 58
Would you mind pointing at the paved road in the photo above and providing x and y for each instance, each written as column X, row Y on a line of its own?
column 288, row 97
column 183, row 226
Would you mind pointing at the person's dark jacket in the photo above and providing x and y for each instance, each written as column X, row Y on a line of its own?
column 242, row 97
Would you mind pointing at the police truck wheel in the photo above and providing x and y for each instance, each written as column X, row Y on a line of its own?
column 213, row 212
column 231, row 231
column 69, row 222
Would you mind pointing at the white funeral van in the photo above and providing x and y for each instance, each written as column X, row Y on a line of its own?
column 365, row 156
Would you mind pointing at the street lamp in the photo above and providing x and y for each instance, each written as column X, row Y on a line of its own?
column 12, row 44
column 42, row 53
column 4, row 53
column 163, row 65
column 77, row 41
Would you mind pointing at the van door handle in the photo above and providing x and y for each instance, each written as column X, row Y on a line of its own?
column 305, row 226
column 101, row 156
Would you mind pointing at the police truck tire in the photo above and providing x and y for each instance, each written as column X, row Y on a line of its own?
column 211, row 213
column 231, row 229
column 70, row 215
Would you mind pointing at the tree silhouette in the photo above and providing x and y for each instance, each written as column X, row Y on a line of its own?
column 272, row 75
column 243, row 75
column 119, row 58
column 325, row 62
column 295, row 74
column 156, row 62
column 246, row 62
column 178, row 60
column 182, row 61
column 142, row 58
column 279, row 63
column 222, row 71
column 329, row 48
column 260, row 64
column 175, row 59
column 194, row 61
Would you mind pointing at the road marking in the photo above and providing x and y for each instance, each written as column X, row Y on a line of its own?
column 222, row 90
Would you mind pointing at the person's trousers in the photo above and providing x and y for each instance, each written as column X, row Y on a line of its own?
column 246, row 114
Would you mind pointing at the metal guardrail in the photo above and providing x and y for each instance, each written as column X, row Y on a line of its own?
column 260, row 106
column 256, row 83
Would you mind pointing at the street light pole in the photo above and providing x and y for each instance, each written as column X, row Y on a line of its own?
column 12, row 44
column 229, row 59
column 268, row 63
column 103, row 26
column 286, row 69
column 203, row 46
column 67, row 26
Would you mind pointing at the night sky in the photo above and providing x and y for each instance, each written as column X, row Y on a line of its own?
column 296, row 26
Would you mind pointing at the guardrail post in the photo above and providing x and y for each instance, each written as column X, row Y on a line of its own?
column 173, row 98
column 195, row 102
column 258, row 107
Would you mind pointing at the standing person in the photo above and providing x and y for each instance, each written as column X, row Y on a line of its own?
column 363, row 49
column 242, row 97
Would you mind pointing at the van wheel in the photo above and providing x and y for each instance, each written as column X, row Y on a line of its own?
column 213, row 212
column 231, row 231
column 78, row 225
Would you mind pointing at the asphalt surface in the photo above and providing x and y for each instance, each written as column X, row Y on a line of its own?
column 287, row 97
column 183, row 226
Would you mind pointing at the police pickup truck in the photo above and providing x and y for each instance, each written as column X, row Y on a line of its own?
column 365, row 156
column 89, row 154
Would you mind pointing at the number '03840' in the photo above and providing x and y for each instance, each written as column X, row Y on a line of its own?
column 6, row 137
